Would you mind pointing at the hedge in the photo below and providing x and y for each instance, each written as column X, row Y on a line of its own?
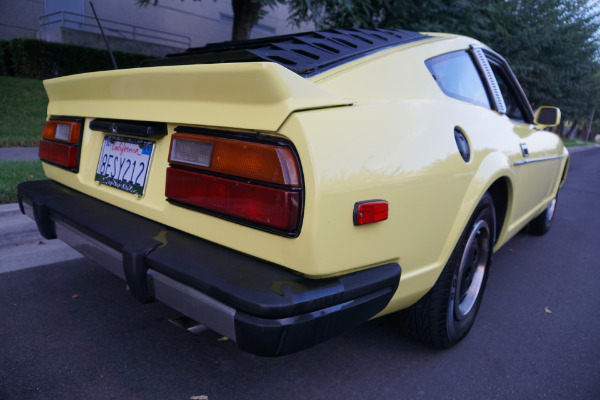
column 5, row 58
column 31, row 58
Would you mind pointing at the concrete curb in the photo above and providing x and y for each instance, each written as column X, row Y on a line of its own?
column 10, row 209
column 15, row 227
column 22, row 246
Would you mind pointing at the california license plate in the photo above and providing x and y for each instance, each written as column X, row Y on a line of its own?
column 124, row 163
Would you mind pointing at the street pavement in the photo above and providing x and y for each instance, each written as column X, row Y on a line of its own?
column 70, row 330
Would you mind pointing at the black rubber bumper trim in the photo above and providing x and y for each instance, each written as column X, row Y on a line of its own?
column 257, row 287
column 127, row 233
column 277, row 311
column 288, row 335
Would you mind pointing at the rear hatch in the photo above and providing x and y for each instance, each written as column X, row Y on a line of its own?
column 129, row 121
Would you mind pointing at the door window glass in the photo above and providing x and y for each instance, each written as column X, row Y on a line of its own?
column 513, row 109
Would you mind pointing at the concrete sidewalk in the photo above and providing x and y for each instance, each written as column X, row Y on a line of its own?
column 22, row 246
column 19, row 154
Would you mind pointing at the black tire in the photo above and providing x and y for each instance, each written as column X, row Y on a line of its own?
column 543, row 222
column 444, row 316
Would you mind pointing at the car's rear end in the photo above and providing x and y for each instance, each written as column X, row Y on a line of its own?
column 191, row 183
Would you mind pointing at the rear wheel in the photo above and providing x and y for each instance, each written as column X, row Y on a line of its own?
column 446, row 313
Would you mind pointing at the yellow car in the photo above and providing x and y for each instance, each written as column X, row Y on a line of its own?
column 282, row 191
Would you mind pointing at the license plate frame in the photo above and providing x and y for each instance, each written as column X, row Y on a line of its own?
column 124, row 163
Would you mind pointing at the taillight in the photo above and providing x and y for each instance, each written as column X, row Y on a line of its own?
column 259, row 161
column 250, row 182
column 59, row 144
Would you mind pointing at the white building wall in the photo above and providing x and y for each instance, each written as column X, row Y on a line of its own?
column 203, row 21
column 19, row 18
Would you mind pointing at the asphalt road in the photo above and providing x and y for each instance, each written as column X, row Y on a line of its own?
column 70, row 330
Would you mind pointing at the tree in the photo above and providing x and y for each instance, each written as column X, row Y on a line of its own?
column 246, row 13
column 551, row 44
column 335, row 13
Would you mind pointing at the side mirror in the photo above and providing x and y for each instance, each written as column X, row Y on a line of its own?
column 547, row 116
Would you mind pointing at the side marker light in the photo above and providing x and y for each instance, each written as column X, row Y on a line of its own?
column 367, row 212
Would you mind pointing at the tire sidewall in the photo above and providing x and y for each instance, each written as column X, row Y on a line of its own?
column 458, row 328
column 450, row 329
column 541, row 224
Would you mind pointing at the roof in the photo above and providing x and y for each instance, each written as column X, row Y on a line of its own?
column 305, row 53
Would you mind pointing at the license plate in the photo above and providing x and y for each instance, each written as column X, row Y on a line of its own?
column 124, row 163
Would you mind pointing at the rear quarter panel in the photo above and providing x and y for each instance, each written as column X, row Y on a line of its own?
column 395, row 152
column 397, row 144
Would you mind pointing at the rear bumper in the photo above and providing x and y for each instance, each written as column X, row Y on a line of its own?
column 265, row 308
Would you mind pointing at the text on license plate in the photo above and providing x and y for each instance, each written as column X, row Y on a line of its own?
column 124, row 163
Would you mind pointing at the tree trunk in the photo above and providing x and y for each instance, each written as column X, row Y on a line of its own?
column 560, row 129
column 572, row 131
column 245, row 16
column 589, row 127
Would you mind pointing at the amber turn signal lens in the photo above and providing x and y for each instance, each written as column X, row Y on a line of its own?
column 257, row 161
column 64, row 131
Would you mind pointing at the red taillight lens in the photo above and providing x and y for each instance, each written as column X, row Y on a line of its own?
column 255, row 183
column 272, row 207
column 368, row 212
column 60, row 143
column 59, row 153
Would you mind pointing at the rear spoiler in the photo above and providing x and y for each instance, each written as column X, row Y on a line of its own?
column 257, row 96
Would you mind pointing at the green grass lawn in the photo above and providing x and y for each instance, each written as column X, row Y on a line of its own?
column 14, row 172
column 23, row 105
column 576, row 142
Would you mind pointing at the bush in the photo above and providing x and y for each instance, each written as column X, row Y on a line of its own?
column 5, row 64
column 31, row 58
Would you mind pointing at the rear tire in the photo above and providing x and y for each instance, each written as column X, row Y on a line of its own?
column 444, row 316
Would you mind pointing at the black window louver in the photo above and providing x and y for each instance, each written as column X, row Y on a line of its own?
column 305, row 53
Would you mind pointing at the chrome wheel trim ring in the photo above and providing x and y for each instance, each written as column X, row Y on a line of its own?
column 472, row 269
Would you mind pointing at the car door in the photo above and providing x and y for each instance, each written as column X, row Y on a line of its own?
column 533, row 153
